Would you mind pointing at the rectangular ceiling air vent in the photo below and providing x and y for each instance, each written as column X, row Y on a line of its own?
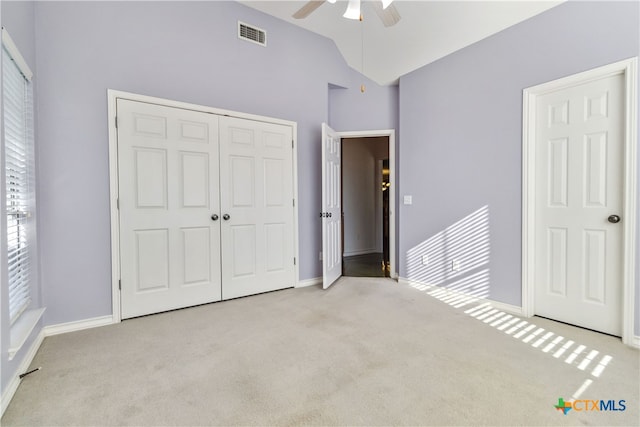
column 252, row 34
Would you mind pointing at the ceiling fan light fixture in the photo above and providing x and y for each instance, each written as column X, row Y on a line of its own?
column 353, row 10
column 331, row 1
column 388, row 16
column 385, row 3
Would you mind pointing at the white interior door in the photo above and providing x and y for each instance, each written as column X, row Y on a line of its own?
column 168, row 192
column 331, row 214
column 578, row 240
column 256, row 189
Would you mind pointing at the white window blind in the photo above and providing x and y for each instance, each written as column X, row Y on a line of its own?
column 17, row 100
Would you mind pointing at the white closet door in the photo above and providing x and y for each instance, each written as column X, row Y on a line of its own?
column 579, row 148
column 256, row 189
column 168, row 177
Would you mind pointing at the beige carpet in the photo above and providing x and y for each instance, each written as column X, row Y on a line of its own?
column 365, row 352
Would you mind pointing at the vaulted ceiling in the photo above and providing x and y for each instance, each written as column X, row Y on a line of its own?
column 428, row 30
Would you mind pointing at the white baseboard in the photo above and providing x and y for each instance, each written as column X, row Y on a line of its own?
column 12, row 387
column 635, row 341
column 63, row 328
column 47, row 331
column 507, row 308
column 309, row 282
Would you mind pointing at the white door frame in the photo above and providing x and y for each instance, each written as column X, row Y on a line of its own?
column 112, row 96
column 391, row 134
column 628, row 68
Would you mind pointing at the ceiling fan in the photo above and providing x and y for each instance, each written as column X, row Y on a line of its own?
column 386, row 11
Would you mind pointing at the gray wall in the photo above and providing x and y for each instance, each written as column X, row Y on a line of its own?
column 18, row 19
column 461, row 125
column 187, row 51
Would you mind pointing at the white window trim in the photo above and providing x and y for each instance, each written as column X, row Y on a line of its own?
column 11, row 47
column 25, row 322
column 22, row 328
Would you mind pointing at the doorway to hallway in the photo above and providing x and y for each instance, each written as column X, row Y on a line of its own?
column 365, row 206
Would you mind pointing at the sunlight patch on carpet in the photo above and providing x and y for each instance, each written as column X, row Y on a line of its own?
column 576, row 354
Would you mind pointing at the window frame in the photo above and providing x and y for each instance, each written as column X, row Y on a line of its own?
column 24, row 212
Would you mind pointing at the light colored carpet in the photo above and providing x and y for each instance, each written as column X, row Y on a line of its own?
column 364, row 352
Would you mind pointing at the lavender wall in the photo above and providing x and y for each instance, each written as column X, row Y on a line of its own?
column 186, row 51
column 18, row 19
column 352, row 110
column 461, row 125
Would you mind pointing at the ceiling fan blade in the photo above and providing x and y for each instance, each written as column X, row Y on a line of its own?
column 388, row 16
column 307, row 9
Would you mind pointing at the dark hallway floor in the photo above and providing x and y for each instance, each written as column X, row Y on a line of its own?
column 367, row 265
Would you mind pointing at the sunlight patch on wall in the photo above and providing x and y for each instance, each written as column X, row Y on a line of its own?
column 452, row 258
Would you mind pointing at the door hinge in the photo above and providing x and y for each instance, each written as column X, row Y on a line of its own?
column 118, row 203
column 292, row 143
column 294, row 203
column 119, row 284
column 294, row 261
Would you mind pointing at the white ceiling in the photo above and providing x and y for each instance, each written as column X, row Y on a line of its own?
column 428, row 30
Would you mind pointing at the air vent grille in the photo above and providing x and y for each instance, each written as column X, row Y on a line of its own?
column 252, row 34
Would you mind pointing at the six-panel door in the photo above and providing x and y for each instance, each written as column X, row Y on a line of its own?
column 206, row 207
column 579, row 185
column 168, row 186
column 331, row 215
column 256, row 190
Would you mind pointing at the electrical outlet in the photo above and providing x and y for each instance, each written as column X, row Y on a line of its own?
column 320, row 256
column 455, row 265
column 425, row 259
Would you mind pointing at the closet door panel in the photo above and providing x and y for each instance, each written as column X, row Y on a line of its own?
column 256, row 190
column 168, row 160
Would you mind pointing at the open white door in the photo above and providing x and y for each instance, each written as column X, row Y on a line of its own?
column 331, row 215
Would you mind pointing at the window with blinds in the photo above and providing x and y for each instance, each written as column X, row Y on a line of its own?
column 17, row 98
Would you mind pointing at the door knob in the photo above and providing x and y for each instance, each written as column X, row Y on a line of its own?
column 214, row 217
column 226, row 217
column 614, row 219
